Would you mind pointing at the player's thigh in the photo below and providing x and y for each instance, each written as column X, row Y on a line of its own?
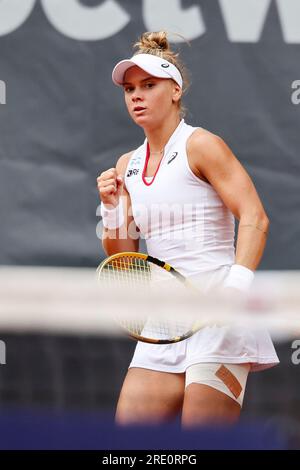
column 205, row 405
column 214, row 393
column 150, row 396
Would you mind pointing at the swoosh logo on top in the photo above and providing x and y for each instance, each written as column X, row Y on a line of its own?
column 173, row 156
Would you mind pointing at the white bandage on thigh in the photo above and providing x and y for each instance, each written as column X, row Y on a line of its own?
column 227, row 378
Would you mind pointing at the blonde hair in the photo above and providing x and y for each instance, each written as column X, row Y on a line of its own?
column 156, row 43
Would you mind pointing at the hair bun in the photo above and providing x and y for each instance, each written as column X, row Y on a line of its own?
column 153, row 41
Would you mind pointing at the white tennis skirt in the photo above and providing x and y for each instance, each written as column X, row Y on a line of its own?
column 217, row 344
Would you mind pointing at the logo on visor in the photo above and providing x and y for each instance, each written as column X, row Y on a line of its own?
column 165, row 66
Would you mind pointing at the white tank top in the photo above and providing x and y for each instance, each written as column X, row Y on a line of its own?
column 182, row 218
column 186, row 224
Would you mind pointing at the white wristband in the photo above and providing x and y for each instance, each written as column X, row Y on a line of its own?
column 112, row 218
column 239, row 277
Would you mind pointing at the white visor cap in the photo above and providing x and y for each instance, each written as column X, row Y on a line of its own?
column 154, row 65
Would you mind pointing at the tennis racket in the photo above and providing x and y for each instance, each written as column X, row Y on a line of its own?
column 134, row 271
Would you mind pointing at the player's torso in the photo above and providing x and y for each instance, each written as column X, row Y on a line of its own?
column 177, row 213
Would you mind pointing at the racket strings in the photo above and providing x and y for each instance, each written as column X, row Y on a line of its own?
column 126, row 271
column 156, row 328
column 130, row 273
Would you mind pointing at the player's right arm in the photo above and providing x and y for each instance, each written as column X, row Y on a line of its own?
column 111, row 189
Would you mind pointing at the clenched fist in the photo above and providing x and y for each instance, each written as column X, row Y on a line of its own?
column 110, row 187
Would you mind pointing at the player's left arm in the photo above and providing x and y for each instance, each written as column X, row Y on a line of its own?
column 214, row 161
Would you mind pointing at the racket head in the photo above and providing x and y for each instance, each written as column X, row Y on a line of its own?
column 131, row 270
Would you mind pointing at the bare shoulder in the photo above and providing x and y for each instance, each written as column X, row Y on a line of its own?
column 207, row 153
column 123, row 162
column 204, row 142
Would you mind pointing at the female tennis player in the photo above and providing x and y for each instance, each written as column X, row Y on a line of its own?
column 180, row 166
